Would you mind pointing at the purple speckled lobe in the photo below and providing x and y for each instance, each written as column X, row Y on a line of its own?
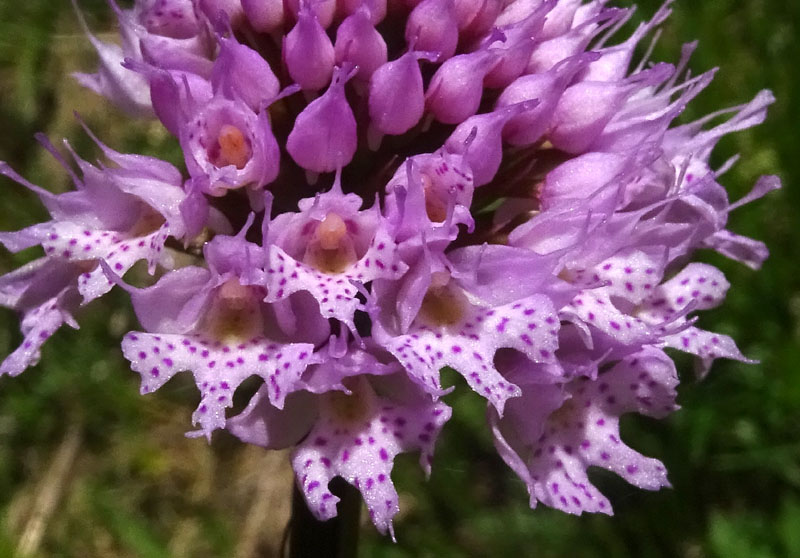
column 558, row 432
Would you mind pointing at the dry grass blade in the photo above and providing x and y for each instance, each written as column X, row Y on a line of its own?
column 49, row 492
column 260, row 537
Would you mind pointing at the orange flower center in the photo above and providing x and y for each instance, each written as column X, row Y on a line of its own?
column 234, row 149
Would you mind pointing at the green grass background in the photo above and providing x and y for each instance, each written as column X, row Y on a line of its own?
column 90, row 468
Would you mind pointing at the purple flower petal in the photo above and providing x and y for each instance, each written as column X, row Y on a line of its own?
column 466, row 339
column 357, row 437
column 579, row 428
column 218, row 368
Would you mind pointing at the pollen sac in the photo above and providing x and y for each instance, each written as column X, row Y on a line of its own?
column 228, row 146
column 231, row 148
column 332, row 250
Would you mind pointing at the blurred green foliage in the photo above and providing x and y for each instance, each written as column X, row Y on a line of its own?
column 137, row 488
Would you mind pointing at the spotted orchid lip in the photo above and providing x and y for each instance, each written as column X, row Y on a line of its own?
column 491, row 187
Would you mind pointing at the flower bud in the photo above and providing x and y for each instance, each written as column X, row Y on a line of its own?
column 170, row 18
column 514, row 50
column 376, row 8
column 264, row 16
column 308, row 52
column 324, row 136
column 184, row 55
column 559, row 19
column 175, row 95
column 581, row 177
column 614, row 61
column 476, row 17
column 240, row 72
column 325, row 10
column 516, row 11
column 432, row 26
column 231, row 8
column 457, row 86
column 552, row 51
column 547, row 87
column 479, row 139
column 586, row 107
column 358, row 41
column 125, row 88
column 389, row 112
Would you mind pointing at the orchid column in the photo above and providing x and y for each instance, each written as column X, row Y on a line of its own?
column 373, row 191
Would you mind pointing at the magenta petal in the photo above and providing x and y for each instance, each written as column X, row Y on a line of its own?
column 750, row 252
column 335, row 293
column 559, row 434
column 227, row 145
column 469, row 346
column 706, row 345
column 700, row 285
column 175, row 303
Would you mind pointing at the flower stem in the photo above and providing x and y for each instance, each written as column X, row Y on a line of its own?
column 337, row 537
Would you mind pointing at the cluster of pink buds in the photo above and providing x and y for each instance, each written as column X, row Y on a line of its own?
column 375, row 190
